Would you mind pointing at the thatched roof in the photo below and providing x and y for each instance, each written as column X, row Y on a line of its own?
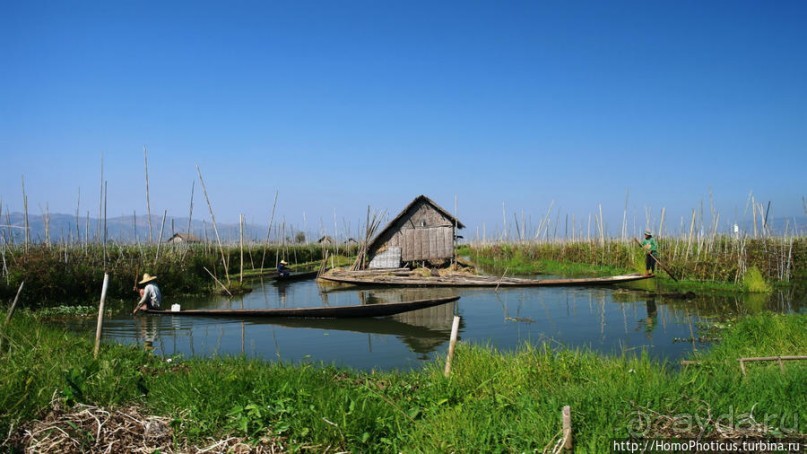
column 412, row 205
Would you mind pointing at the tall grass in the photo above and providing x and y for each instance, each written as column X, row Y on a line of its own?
column 721, row 259
column 72, row 274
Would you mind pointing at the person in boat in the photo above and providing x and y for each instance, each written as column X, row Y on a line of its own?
column 650, row 247
column 283, row 269
column 151, row 297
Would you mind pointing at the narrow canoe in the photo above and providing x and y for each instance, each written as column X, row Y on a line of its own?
column 295, row 276
column 355, row 278
column 367, row 310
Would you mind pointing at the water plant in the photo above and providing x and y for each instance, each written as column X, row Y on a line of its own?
column 753, row 282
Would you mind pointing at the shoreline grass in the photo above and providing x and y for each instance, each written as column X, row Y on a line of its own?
column 72, row 274
column 492, row 401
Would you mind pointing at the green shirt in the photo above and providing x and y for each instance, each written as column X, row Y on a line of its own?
column 650, row 245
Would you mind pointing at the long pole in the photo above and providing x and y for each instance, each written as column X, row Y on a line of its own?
column 215, row 229
column 100, row 324
column 269, row 231
column 11, row 312
column 190, row 210
column 661, row 265
column 148, row 199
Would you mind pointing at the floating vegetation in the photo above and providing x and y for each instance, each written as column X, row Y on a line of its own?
column 754, row 282
column 69, row 311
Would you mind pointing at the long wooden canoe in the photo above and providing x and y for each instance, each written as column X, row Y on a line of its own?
column 366, row 310
column 460, row 280
column 295, row 276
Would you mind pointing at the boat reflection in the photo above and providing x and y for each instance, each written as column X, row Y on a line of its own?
column 421, row 331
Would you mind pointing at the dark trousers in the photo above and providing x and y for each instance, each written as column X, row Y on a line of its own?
column 650, row 262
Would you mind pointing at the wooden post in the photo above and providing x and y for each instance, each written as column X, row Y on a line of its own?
column 100, row 316
column 455, row 327
column 567, row 427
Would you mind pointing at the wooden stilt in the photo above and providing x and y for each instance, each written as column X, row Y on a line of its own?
column 452, row 343
column 567, row 427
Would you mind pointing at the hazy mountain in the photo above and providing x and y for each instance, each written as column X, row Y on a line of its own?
column 59, row 227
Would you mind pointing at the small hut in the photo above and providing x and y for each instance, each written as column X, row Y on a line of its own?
column 183, row 238
column 326, row 241
column 423, row 233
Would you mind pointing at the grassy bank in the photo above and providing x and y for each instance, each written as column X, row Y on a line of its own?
column 492, row 401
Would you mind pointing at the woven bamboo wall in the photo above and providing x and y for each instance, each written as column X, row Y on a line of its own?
column 422, row 234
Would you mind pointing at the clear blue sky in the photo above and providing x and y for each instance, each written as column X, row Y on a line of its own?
column 484, row 106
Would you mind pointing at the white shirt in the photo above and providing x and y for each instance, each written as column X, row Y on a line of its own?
column 152, row 293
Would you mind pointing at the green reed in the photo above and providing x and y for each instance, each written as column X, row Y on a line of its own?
column 72, row 274
column 720, row 259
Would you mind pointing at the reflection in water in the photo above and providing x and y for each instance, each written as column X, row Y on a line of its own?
column 414, row 329
column 147, row 328
column 607, row 320
column 652, row 314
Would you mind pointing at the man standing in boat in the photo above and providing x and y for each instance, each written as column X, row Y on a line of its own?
column 151, row 296
column 282, row 269
column 650, row 247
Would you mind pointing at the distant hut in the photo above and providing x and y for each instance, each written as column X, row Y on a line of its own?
column 183, row 238
column 423, row 233
column 326, row 241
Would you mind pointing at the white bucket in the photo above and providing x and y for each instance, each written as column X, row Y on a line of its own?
column 175, row 308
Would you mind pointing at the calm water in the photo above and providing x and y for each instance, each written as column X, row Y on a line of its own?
column 610, row 320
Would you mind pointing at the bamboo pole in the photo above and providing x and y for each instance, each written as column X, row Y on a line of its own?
column 241, row 242
column 47, row 225
column 148, row 199
column 160, row 238
column 215, row 229
column 217, row 281
column 105, row 230
column 779, row 359
column 100, row 203
column 25, row 209
column 11, row 313
column 78, row 216
column 269, row 231
column 455, row 327
column 100, row 325
column 190, row 210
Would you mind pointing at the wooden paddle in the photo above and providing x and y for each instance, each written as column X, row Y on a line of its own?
column 658, row 262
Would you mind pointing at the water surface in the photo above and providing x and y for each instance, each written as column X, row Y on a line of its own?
column 610, row 320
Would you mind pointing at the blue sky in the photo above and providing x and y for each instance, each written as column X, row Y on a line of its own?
column 499, row 110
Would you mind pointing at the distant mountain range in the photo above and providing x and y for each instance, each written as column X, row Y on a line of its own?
column 64, row 227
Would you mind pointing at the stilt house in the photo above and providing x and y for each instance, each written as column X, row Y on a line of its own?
column 423, row 233
column 183, row 238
